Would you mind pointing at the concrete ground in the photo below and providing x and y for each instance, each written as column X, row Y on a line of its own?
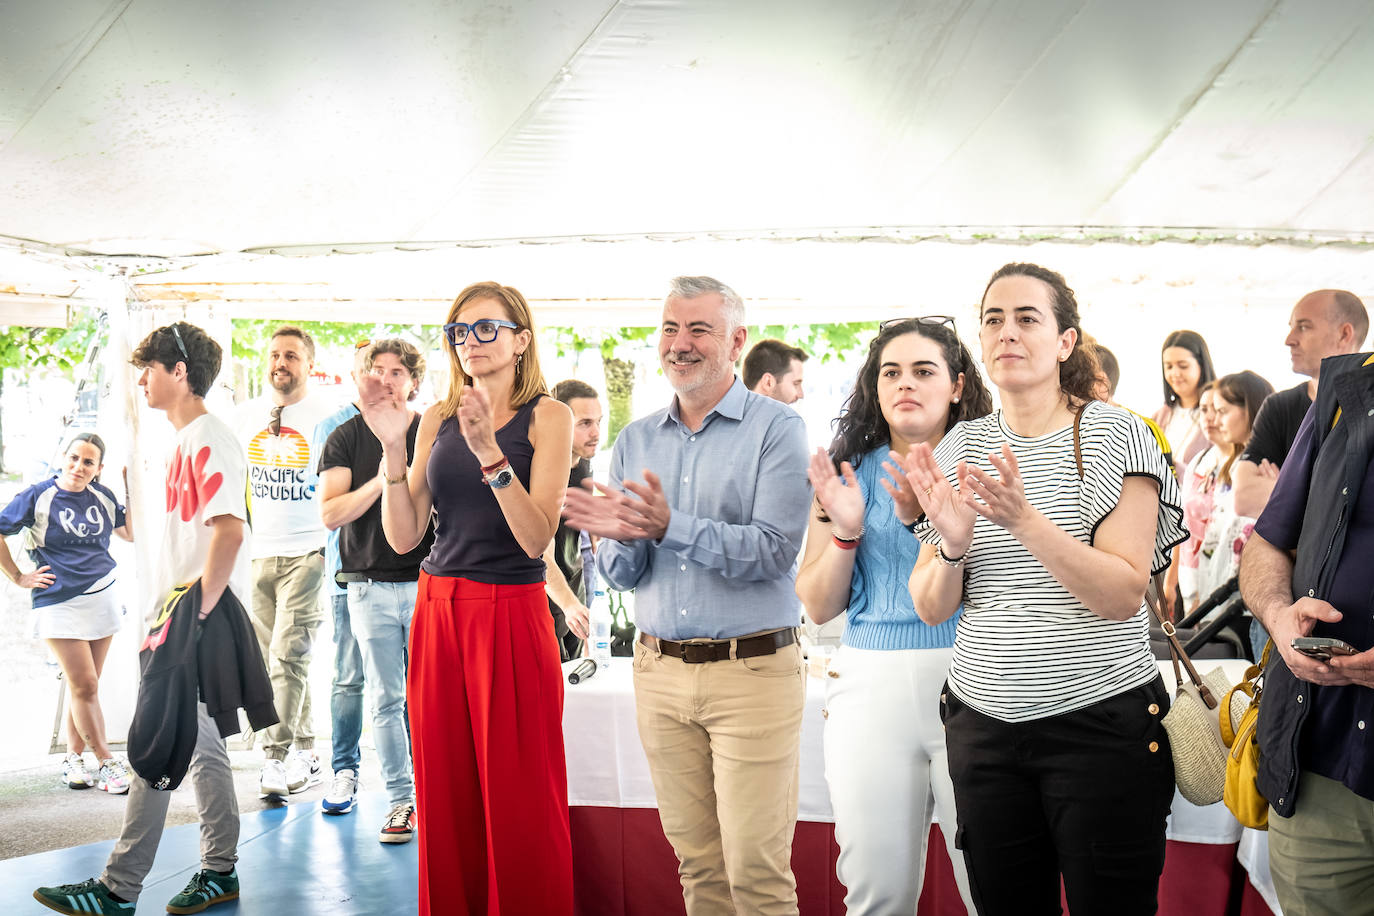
column 39, row 813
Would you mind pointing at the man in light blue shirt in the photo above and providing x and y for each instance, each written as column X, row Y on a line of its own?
column 707, row 536
column 346, row 694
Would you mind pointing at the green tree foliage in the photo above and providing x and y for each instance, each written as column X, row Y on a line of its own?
column 826, row 342
column 616, row 346
column 252, row 335
column 45, row 349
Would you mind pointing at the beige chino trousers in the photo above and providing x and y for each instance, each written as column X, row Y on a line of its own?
column 723, row 743
column 286, row 611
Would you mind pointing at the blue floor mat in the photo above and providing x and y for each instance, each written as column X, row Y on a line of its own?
column 292, row 860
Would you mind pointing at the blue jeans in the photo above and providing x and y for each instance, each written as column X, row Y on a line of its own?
column 346, row 699
column 380, row 613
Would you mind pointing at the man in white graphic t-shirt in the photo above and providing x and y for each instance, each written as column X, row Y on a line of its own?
column 202, row 541
column 287, row 551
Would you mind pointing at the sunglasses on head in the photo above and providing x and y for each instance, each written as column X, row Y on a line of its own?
column 937, row 320
column 181, row 345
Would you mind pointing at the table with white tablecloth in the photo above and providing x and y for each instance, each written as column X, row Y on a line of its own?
column 624, row 865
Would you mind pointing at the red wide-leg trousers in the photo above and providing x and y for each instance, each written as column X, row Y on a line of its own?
column 485, row 691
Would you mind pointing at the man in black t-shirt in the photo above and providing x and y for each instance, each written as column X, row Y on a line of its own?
column 381, row 583
column 1328, row 322
column 569, row 555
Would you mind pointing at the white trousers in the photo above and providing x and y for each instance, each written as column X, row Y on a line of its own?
column 886, row 767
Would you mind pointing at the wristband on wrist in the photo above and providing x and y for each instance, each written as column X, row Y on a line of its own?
column 914, row 522
column 848, row 543
column 499, row 475
column 946, row 559
column 388, row 480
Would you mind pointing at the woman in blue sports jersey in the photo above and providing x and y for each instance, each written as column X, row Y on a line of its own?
column 69, row 518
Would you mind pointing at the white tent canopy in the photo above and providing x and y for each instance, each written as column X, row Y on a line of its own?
column 579, row 131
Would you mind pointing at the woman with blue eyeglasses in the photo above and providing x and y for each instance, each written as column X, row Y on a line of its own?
column 485, row 688
column 884, row 745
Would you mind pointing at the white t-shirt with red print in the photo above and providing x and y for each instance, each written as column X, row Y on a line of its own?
column 283, row 497
column 205, row 479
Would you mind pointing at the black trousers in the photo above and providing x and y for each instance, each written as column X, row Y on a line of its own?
column 1084, row 794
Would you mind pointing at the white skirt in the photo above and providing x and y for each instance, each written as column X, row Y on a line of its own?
column 94, row 615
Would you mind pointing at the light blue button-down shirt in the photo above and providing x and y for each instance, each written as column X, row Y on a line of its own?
column 739, row 497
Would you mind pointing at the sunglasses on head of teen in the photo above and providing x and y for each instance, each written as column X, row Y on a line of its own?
column 181, row 345
column 483, row 331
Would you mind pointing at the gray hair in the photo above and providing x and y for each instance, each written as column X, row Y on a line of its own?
column 692, row 287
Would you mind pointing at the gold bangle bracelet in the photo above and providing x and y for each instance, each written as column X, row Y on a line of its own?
column 391, row 481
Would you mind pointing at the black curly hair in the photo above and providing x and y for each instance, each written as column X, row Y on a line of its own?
column 861, row 427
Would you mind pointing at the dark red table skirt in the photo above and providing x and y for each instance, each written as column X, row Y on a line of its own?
column 623, row 866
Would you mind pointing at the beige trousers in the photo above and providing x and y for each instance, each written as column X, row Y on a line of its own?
column 723, row 742
column 145, row 815
column 286, row 612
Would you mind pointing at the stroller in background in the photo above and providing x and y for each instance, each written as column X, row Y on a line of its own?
column 1218, row 628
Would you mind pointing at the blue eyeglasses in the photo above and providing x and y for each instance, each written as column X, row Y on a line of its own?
column 485, row 330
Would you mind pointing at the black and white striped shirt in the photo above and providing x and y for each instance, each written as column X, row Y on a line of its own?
column 1026, row 648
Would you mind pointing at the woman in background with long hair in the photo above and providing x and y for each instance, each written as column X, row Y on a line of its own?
column 1185, row 366
column 1236, row 399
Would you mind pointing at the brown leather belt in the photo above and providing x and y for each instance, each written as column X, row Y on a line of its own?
column 701, row 651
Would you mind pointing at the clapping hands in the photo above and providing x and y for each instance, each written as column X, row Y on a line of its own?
column 383, row 411
column 838, row 495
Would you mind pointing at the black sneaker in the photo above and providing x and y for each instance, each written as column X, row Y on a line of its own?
column 87, row 897
column 205, row 889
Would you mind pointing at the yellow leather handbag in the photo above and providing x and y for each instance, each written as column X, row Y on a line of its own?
column 1241, row 795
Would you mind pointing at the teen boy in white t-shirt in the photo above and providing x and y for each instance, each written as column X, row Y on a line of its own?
column 202, row 535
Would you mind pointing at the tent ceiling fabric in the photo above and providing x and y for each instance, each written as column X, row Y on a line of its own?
column 195, row 126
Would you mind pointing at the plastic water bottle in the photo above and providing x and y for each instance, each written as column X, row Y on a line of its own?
column 601, row 629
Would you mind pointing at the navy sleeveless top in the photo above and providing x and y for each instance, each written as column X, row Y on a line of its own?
column 472, row 539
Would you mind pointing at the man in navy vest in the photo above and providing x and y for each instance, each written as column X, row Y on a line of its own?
column 1307, row 572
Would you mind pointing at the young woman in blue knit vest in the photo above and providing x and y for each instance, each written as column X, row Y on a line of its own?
column 884, row 745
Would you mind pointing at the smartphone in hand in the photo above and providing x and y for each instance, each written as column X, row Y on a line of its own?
column 1323, row 647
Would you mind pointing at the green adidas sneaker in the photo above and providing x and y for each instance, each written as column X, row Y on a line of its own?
column 87, row 897
column 205, row 889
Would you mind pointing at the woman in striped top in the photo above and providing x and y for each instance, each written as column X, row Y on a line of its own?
column 882, row 762
column 1054, row 702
